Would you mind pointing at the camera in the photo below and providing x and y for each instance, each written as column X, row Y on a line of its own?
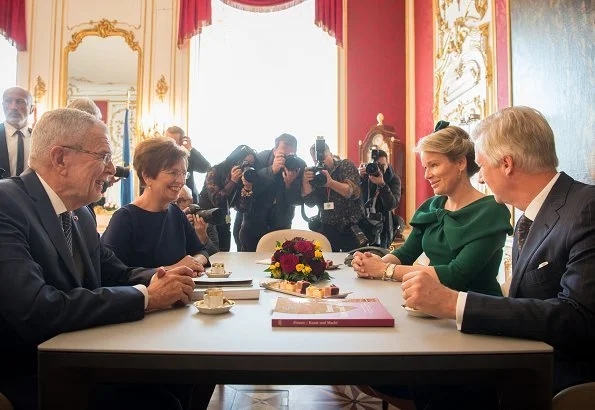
column 319, row 178
column 372, row 168
column 293, row 162
column 214, row 216
column 248, row 172
column 122, row 172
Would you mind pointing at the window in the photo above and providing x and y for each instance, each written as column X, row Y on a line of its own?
column 255, row 76
column 8, row 68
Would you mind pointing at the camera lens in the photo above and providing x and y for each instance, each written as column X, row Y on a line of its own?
column 122, row 172
column 319, row 179
column 293, row 162
column 250, row 174
column 372, row 169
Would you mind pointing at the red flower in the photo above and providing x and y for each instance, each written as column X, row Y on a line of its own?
column 288, row 246
column 288, row 262
column 276, row 256
column 304, row 246
column 318, row 266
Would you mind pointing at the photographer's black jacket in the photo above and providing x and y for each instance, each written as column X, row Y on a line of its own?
column 389, row 198
column 196, row 163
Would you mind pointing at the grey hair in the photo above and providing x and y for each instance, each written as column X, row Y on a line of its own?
column 452, row 141
column 63, row 126
column 29, row 96
column 87, row 105
column 521, row 132
column 187, row 189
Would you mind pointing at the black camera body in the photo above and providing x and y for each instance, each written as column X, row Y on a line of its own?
column 372, row 168
column 214, row 216
column 248, row 172
column 319, row 178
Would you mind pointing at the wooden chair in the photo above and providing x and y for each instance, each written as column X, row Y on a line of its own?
column 269, row 241
column 579, row 397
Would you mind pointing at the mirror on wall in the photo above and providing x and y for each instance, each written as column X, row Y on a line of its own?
column 102, row 64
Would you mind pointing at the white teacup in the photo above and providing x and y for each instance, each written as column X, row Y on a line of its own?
column 213, row 298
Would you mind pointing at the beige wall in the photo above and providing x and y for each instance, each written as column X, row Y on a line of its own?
column 51, row 24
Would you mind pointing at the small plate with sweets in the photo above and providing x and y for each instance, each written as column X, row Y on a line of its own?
column 217, row 271
column 330, row 265
column 304, row 289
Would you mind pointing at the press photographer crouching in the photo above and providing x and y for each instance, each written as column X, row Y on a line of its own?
column 229, row 185
column 203, row 221
column 381, row 193
column 333, row 186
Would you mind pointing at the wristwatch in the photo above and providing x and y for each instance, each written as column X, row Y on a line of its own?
column 389, row 272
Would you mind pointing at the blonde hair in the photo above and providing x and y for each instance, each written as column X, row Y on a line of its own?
column 87, row 105
column 452, row 141
column 521, row 132
column 63, row 126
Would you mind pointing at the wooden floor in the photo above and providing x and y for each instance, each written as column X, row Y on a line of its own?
column 242, row 397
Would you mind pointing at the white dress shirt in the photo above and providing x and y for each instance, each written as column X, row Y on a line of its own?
column 60, row 208
column 12, row 143
column 531, row 213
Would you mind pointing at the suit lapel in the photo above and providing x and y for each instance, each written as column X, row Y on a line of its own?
column 546, row 219
column 48, row 218
column 4, row 161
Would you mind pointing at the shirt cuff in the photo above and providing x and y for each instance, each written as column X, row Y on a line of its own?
column 461, row 300
column 145, row 292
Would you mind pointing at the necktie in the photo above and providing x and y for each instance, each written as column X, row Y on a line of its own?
column 20, row 154
column 67, row 228
column 522, row 227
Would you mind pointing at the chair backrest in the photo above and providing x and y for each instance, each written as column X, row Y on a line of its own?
column 269, row 241
column 579, row 397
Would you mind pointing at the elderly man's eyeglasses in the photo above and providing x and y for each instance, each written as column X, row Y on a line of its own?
column 175, row 173
column 106, row 157
column 183, row 201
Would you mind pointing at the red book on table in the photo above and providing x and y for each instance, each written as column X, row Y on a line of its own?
column 310, row 312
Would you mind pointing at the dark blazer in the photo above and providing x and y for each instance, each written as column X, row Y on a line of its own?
column 41, row 293
column 554, row 303
column 196, row 163
column 4, row 160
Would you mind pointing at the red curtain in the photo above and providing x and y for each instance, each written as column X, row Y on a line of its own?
column 13, row 24
column 196, row 14
column 329, row 16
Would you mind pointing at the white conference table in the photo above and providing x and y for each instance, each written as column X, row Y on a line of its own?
column 241, row 347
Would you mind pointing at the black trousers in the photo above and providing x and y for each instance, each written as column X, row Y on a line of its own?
column 341, row 240
column 224, row 235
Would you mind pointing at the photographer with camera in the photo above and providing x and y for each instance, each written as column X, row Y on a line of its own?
column 196, row 161
column 381, row 193
column 229, row 185
column 206, row 231
column 152, row 231
column 276, row 192
column 333, row 186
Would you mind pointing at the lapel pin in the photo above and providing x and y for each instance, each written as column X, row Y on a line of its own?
column 75, row 218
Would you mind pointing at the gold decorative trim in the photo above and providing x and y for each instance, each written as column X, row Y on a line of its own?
column 40, row 89
column 161, row 88
column 464, row 80
column 104, row 28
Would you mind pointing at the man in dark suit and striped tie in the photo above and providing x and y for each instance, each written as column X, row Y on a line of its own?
column 552, row 294
column 15, row 136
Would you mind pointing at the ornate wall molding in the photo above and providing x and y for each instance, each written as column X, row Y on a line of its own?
column 104, row 28
column 464, row 84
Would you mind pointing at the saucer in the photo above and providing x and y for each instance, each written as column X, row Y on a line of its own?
column 203, row 308
column 217, row 275
column 415, row 312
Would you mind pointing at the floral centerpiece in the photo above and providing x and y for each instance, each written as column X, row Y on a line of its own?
column 106, row 208
column 298, row 259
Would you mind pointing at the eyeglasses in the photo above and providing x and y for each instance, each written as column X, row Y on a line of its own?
column 176, row 173
column 181, row 201
column 106, row 157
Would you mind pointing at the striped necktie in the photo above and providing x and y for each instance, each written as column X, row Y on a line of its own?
column 67, row 228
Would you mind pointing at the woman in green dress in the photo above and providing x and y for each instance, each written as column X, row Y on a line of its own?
column 461, row 230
